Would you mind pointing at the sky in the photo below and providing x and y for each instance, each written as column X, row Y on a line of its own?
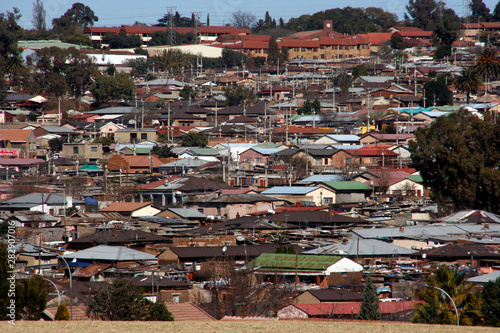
column 119, row 12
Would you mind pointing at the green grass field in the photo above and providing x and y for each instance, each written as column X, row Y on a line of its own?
column 233, row 327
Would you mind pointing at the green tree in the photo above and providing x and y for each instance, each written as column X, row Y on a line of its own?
column 62, row 312
column 78, row 39
column 172, row 60
column 231, row 58
column 236, row 95
column 121, row 300
column 437, row 308
column 113, row 88
column 488, row 64
column 187, row 93
column 288, row 249
column 458, row 156
column 437, row 93
column 193, row 139
column 273, row 53
column 342, row 80
column 397, row 43
column 105, row 141
column 121, row 40
column 445, row 31
column 159, row 312
column 479, row 11
column 359, row 70
column 490, row 305
column 422, row 13
column 162, row 151
column 496, row 13
column 31, row 298
column 468, row 82
column 78, row 14
column 369, row 309
column 9, row 51
column 56, row 144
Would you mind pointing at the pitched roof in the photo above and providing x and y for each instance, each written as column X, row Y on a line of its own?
column 110, row 253
column 125, row 206
column 362, row 247
column 14, row 135
column 289, row 190
column 348, row 186
column 231, row 251
column 118, row 237
column 352, row 308
column 287, row 262
column 335, row 295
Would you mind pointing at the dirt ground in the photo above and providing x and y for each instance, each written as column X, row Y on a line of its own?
column 273, row 326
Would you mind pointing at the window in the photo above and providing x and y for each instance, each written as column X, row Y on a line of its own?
column 347, row 160
column 93, row 149
column 176, row 298
column 327, row 200
column 258, row 160
column 200, row 210
column 75, row 150
column 144, row 136
column 248, row 159
column 326, row 161
column 133, row 137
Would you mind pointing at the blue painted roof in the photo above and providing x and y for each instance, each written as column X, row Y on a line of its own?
column 322, row 178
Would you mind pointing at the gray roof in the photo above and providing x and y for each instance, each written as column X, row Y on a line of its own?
column 376, row 79
column 110, row 253
column 188, row 213
column 35, row 199
column 167, row 82
column 289, row 190
column 365, row 247
column 58, row 129
column 266, row 151
column 185, row 162
column 426, row 231
column 114, row 110
column 485, row 277
column 343, row 137
column 322, row 178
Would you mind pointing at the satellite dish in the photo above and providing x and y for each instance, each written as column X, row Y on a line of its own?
column 424, row 255
column 224, row 249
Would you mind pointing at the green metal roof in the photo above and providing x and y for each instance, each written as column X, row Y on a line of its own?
column 416, row 178
column 303, row 263
column 348, row 186
column 206, row 151
column 448, row 108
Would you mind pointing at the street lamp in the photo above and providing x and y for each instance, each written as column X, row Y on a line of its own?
column 448, row 295
column 70, row 280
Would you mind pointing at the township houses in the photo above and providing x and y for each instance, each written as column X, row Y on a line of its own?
column 17, row 143
column 133, row 209
column 134, row 164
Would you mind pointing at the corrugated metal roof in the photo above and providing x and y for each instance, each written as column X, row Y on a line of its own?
column 365, row 247
column 321, row 178
column 289, row 190
column 110, row 253
column 426, row 231
column 187, row 213
column 348, row 186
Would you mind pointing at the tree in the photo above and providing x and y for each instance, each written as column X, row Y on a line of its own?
column 437, row 308
column 422, row 13
column 273, row 54
column 369, row 309
column 105, row 141
column 78, row 14
column 123, row 300
column 468, row 82
column 62, row 312
column 121, row 40
column 171, row 60
column 241, row 19
column 159, row 312
column 359, row 70
column 232, row 58
column 445, row 31
column 488, row 64
column 193, row 139
column 56, row 144
column 490, row 305
column 162, row 151
column 113, row 88
column 458, row 156
column 39, row 15
column 496, row 13
column 187, row 93
column 9, row 52
column 437, row 93
column 31, row 298
column 236, row 95
column 479, row 11
column 343, row 80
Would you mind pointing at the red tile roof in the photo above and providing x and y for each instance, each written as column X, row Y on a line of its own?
column 378, row 38
column 424, row 34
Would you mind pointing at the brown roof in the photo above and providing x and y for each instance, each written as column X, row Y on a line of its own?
column 188, row 312
column 14, row 135
column 463, row 250
column 335, row 295
column 125, row 206
column 91, row 270
column 79, row 312
column 117, row 237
